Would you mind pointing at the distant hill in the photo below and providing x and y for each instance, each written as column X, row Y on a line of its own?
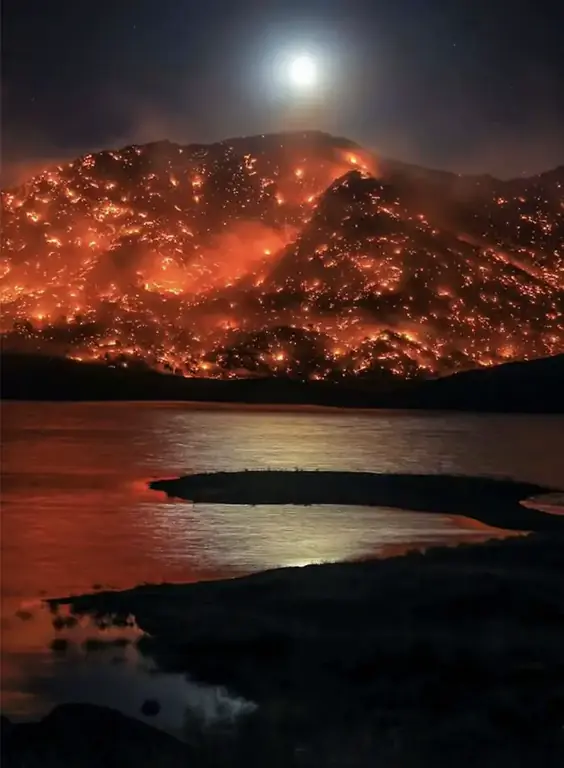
column 293, row 254
column 531, row 387
column 535, row 386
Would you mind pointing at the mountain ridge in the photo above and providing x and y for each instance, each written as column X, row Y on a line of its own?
column 340, row 141
column 163, row 253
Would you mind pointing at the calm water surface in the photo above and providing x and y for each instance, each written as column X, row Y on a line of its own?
column 76, row 510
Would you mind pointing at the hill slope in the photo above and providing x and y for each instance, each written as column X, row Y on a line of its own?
column 290, row 254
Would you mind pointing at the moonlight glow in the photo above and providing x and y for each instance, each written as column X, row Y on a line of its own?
column 303, row 71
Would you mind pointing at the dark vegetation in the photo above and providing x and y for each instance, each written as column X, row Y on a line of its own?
column 452, row 657
column 532, row 387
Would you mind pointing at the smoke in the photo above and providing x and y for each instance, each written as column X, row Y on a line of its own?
column 506, row 155
column 240, row 251
column 20, row 171
column 144, row 122
column 27, row 152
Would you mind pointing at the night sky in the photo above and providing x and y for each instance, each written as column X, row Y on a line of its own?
column 469, row 85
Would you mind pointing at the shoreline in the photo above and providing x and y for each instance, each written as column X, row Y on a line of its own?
column 455, row 647
column 218, row 405
column 235, row 405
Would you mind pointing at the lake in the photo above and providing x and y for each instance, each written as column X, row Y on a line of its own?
column 77, row 514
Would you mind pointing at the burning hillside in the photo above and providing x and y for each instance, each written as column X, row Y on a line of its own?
column 291, row 254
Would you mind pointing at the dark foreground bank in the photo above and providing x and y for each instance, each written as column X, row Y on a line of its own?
column 535, row 386
column 90, row 737
column 452, row 657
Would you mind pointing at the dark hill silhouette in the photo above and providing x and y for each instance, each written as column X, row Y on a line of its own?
column 530, row 387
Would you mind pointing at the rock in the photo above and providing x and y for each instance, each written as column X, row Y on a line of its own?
column 59, row 645
column 150, row 707
column 5, row 727
column 88, row 736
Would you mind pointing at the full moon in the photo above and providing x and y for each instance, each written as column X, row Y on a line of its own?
column 303, row 71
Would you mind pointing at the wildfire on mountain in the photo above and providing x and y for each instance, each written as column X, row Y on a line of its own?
column 281, row 255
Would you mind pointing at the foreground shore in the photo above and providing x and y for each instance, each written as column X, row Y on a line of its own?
column 454, row 656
